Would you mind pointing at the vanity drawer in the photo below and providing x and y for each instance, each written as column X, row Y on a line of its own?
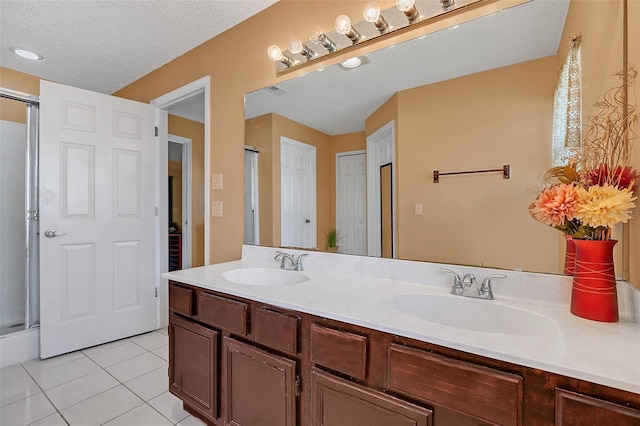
column 276, row 330
column 491, row 395
column 339, row 350
column 221, row 312
column 181, row 299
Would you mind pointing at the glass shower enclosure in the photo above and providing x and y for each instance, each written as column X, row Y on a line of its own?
column 19, row 279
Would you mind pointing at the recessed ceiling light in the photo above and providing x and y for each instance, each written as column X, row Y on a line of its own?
column 27, row 54
column 351, row 62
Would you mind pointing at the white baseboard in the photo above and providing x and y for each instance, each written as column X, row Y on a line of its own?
column 19, row 347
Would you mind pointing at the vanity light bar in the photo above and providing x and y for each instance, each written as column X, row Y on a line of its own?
column 343, row 26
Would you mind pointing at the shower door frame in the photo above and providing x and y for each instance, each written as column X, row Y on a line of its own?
column 32, row 243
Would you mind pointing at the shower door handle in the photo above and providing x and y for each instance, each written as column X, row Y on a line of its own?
column 49, row 233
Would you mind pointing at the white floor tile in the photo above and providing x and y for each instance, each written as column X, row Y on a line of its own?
column 143, row 415
column 52, row 420
column 150, row 385
column 116, row 354
column 18, row 389
column 162, row 352
column 135, row 367
column 164, row 330
column 102, row 407
column 191, row 421
column 95, row 349
column 26, row 411
column 151, row 341
column 11, row 373
column 39, row 365
column 70, row 393
column 63, row 373
column 169, row 406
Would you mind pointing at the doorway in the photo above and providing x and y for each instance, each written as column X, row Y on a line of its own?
column 251, row 199
column 190, row 102
column 180, row 202
column 381, row 152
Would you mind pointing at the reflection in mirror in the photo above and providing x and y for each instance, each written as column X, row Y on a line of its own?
column 475, row 96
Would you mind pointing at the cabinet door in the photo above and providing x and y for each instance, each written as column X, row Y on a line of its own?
column 193, row 365
column 574, row 409
column 337, row 402
column 260, row 387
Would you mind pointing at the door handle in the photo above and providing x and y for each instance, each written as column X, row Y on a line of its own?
column 307, row 221
column 49, row 233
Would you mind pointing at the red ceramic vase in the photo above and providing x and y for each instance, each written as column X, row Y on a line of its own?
column 594, row 295
column 569, row 255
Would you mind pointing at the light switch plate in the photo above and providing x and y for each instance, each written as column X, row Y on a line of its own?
column 216, row 208
column 216, row 181
column 418, row 209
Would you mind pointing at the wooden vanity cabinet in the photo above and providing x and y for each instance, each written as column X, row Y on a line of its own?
column 238, row 362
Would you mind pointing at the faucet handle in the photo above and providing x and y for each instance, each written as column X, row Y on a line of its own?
column 298, row 263
column 485, row 289
column 457, row 281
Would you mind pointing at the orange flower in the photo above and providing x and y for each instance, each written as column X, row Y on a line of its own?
column 555, row 205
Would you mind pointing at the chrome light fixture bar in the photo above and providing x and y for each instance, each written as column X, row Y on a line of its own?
column 375, row 23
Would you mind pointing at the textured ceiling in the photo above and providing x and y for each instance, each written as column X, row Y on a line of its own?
column 336, row 101
column 104, row 45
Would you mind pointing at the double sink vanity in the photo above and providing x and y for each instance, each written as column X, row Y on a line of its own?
column 357, row 341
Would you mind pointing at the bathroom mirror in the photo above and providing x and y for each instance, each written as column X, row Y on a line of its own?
column 472, row 97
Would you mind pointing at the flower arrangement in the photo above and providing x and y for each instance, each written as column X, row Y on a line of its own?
column 595, row 190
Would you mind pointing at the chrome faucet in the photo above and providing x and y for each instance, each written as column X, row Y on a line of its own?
column 483, row 291
column 296, row 263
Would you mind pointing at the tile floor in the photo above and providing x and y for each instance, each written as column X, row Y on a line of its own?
column 123, row 383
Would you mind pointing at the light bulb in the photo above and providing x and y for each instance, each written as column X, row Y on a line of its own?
column 317, row 34
column 274, row 53
column 405, row 5
column 343, row 24
column 294, row 45
column 371, row 12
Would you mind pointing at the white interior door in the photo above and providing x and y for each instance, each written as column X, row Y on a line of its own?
column 97, row 219
column 351, row 207
column 298, row 194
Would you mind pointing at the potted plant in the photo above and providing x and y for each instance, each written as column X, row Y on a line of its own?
column 332, row 240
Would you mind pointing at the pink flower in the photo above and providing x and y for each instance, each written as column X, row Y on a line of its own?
column 555, row 205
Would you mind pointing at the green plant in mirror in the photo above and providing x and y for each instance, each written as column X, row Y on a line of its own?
column 332, row 238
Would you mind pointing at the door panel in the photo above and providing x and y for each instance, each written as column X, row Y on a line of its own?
column 298, row 194
column 97, row 200
column 351, row 204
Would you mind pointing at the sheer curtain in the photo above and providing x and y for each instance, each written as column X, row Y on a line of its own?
column 567, row 119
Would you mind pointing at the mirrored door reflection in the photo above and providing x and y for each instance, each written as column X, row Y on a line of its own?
column 386, row 210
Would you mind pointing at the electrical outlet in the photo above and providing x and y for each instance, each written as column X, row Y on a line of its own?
column 216, row 181
column 418, row 209
column 216, row 208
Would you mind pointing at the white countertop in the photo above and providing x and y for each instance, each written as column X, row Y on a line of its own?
column 603, row 353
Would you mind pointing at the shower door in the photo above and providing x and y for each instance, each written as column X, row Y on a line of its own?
column 18, row 217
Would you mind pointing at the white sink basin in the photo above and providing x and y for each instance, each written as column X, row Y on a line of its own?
column 264, row 276
column 475, row 314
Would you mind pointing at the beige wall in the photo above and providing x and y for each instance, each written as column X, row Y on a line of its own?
column 633, row 55
column 14, row 80
column 193, row 130
column 502, row 116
